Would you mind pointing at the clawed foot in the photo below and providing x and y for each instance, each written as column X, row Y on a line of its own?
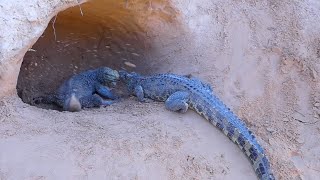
column 106, row 103
column 145, row 100
column 115, row 97
column 183, row 110
column 36, row 100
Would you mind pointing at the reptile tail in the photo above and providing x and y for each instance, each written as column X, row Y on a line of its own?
column 72, row 104
column 221, row 117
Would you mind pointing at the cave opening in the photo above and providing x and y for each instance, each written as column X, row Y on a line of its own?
column 97, row 33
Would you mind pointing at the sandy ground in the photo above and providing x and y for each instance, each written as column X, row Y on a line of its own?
column 262, row 59
column 126, row 141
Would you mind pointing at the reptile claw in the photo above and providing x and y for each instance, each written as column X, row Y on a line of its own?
column 36, row 100
column 147, row 101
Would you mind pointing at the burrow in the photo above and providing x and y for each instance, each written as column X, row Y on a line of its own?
column 97, row 33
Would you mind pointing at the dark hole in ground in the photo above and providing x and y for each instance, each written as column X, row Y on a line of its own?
column 74, row 43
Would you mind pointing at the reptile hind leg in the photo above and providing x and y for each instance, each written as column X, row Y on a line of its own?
column 93, row 101
column 138, row 91
column 178, row 101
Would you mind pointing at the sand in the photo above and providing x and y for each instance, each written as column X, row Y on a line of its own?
column 261, row 58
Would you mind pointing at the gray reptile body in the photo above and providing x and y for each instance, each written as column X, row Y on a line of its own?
column 84, row 90
column 179, row 93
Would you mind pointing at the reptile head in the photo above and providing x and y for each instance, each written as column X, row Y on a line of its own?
column 124, row 76
column 128, row 78
column 108, row 76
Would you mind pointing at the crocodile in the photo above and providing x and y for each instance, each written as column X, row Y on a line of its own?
column 84, row 90
column 181, row 92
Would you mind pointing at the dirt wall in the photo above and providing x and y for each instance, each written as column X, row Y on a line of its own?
column 262, row 59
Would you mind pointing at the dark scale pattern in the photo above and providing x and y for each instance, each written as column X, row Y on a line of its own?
column 199, row 108
column 265, row 161
column 230, row 130
column 220, row 126
column 211, row 119
column 253, row 154
column 241, row 141
column 202, row 99
column 260, row 171
column 219, row 116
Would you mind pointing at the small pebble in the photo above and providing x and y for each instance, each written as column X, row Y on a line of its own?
column 299, row 117
column 300, row 140
column 135, row 54
column 276, row 50
column 130, row 64
column 317, row 104
column 314, row 74
column 270, row 129
column 286, row 119
column 32, row 50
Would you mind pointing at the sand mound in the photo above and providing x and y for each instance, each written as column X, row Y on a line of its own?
column 262, row 58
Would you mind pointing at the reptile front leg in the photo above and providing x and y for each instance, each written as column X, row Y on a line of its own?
column 138, row 91
column 178, row 101
column 105, row 92
column 94, row 101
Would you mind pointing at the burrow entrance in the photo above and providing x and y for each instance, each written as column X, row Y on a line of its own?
column 97, row 33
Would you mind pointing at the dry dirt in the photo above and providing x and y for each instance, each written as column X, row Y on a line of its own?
column 262, row 59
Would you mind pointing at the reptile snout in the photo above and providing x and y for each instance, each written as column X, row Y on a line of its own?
column 123, row 75
column 116, row 75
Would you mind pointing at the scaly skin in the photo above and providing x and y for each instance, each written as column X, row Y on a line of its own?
column 84, row 90
column 180, row 92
